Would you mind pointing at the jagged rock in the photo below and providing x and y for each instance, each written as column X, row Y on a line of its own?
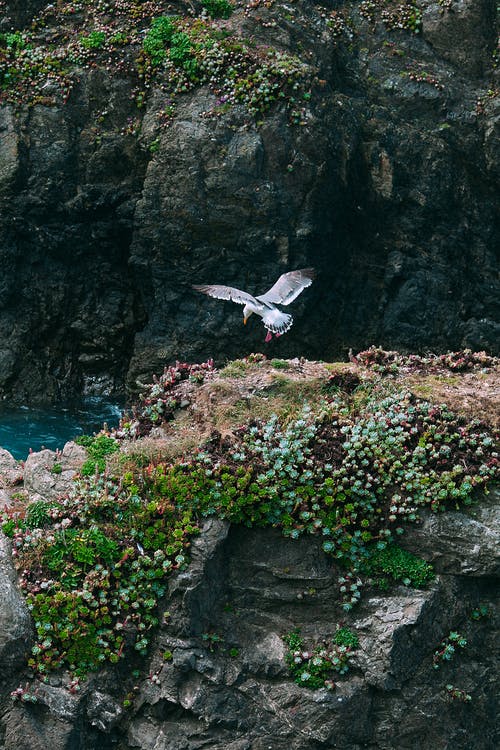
column 5, row 499
column 103, row 711
column 473, row 21
column 11, row 471
column 20, row 12
column 61, row 703
column 26, row 729
column 225, row 683
column 43, row 481
column 264, row 586
column 15, row 622
column 467, row 544
column 398, row 156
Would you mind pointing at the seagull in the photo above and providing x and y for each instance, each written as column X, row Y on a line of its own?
column 285, row 290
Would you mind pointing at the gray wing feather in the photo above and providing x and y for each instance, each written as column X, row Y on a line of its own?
column 289, row 286
column 226, row 292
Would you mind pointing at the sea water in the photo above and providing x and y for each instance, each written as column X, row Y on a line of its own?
column 24, row 428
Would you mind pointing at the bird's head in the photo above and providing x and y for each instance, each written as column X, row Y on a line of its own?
column 247, row 311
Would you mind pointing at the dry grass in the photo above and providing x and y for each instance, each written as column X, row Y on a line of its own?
column 245, row 391
column 173, row 444
column 476, row 395
column 255, row 391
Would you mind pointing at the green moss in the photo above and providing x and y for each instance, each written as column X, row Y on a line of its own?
column 400, row 565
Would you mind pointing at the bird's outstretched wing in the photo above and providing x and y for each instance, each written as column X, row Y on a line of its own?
column 289, row 286
column 226, row 292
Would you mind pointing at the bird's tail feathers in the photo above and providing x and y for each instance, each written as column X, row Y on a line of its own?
column 277, row 321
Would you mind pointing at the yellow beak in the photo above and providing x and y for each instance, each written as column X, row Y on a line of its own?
column 245, row 321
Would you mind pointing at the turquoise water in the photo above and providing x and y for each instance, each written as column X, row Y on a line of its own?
column 22, row 428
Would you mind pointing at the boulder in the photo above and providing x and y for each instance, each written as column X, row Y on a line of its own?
column 15, row 622
column 465, row 544
column 472, row 21
column 11, row 471
column 49, row 474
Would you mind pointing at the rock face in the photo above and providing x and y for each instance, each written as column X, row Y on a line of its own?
column 19, row 13
column 11, row 471
column 389, row 188
column 15, row 621
column 216, row 676
column 49, row 475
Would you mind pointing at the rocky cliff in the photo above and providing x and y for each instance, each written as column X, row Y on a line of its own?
column 357, row 137
column 237, row 658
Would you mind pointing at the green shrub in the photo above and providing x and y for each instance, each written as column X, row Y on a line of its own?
column 14, row 40
column 280, row 364
column 345, row 637
column 182, row 53
column 218, row 8
column 447, row 648
column 157, row 39
column 37, row 514
column 481, row 611
column 94, row 40
column 98, row 448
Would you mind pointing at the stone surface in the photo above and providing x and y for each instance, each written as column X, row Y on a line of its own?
column 252, row 586
column 468, row 544
column 15, row 622
column 11, row 471
column 265, row 586
column 41, row 481
column 473, row 21
column 17, row 13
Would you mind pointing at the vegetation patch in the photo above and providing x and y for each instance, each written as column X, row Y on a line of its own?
column 194, row 53
column 457, row 694
column 317, row 666
column 350, row 473
column 447, row 648
column 394, row 14
column 391, row 362
column 160, row 399
column 157, row 38
column 398, row 564
column 152, row 47
column 218, row 8
column 93, row 570
column 98, row 448
column 345, row 637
